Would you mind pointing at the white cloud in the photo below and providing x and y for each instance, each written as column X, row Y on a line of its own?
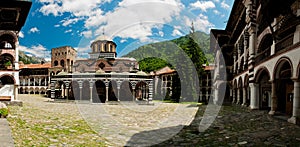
column 68, row 31
column 216, row 12
column 21, row 34
column 77, row 8
column 161, row 33
column 123, row 40
column 34, row 30
column 51, row 8
column 38, row 51
column 224, row 5
column 203, row 5
column 87, row 34
column 69, row 21
column 201, row 23
column 177, row 31
column 136, row 19
column 129, row 19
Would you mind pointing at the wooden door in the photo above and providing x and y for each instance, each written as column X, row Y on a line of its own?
column 289, row 99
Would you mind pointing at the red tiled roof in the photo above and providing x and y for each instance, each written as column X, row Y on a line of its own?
column 209, row 67
column 165, row 70
column 45, row 65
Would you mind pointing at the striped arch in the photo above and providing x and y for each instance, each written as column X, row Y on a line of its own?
column 234, row 84
column 259, row 72
column 9, row 76
column 279, row 65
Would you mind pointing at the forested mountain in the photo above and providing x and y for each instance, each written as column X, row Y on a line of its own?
column 27, row 59
column 161, row 54
column 186, row 55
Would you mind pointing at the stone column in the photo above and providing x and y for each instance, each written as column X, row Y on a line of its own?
column 238, row 96
column 234, row 63
column 254, row 101
column 16, row 62
column 106, row 91
column 233, row 96
column 15, row 92
column 62, row 91
column 162, row 86
column 296, row 103
column 273, row 48
column 52, row 89
column 207, row 95
column 133, row 93
column 215, row 93
column 80, row 90
column 244, row 96
column 118, row 93
column 150, row 91
column 91, row 93
column 274, row 98
column 67, row 90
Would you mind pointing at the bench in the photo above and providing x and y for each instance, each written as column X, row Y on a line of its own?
column 5, row 98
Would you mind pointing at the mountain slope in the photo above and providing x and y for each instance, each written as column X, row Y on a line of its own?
column 195, row 46
column 27, row 59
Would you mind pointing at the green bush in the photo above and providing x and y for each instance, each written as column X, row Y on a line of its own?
column 4, row 112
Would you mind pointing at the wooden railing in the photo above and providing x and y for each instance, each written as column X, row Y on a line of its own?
column 284, row 43
column 262, row 56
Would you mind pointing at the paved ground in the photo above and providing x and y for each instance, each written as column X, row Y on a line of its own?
column 238, row 126
column 165, row 124
column 5, row 134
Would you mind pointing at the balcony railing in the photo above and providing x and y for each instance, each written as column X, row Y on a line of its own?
column 262, row 56
column 284, row 43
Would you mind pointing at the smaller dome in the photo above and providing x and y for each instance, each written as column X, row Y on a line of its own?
column 100, row 71
column 141, row 73
column 103, row 38
column 62, row 73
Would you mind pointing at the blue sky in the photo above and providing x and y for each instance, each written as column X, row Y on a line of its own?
column 130, row 23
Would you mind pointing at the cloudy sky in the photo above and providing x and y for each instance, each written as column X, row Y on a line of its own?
column 130, row 23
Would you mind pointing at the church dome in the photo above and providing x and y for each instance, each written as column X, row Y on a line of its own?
column 103, row 38
column 103, row 47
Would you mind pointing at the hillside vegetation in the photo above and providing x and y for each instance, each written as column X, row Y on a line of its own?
column 186, row 55
column 158, row 55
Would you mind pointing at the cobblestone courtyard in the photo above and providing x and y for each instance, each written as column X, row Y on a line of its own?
column 41, row 122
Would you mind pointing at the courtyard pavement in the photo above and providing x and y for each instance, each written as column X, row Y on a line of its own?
column 6, row 139
column 167, row 124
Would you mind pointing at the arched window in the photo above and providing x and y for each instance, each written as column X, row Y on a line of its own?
column 55, row 63
column 62, row 63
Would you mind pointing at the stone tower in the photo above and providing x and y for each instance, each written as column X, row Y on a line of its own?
column 13, row 14
column 63, row 59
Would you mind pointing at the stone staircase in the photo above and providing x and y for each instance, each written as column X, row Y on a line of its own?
column 6, row 92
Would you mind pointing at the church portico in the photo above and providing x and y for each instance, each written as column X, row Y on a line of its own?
column 102, row 88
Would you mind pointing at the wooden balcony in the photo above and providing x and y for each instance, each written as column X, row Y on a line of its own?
column 284, row 43
column 263, row 56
